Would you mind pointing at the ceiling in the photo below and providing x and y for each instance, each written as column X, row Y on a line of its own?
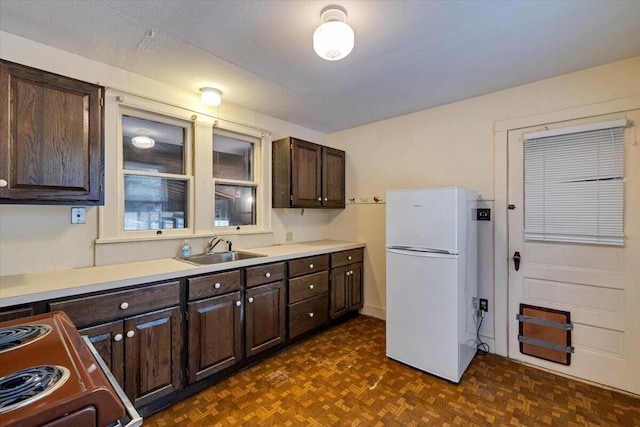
column 409, row 55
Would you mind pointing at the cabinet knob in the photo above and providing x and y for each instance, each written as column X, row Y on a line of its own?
column 310, row 286
column 319, row 199
column 267, row 275
column 124, row 305
column 350, row 271
column 325, row 199
column 130, row 334
column 217, row 286
column 238, row 303
column 349, row 257
column 250, row 299
column 310, row 314
column 118, row 337
column 310, row 265
column 3, row 183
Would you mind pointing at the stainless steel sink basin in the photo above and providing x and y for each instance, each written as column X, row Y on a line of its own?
column 219, row 257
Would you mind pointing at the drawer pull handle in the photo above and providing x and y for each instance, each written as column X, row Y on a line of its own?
column 217, row 286
column 310, row 265
column 349, row 257
column 118, row 337
column 130, row 334
column 238, row 303
column 310, row 286
column 124, row 305
column 267, row 275
column 311, row 314
column 250, row 299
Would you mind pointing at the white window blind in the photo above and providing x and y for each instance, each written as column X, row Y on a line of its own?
column 573, row 184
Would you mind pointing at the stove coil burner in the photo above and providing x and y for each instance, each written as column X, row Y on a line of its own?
column 23, row 387
column 17, row 336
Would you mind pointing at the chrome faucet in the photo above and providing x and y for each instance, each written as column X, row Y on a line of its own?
column 213, row 243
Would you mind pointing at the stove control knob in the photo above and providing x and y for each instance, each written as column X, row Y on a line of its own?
column 130, row 334
column 118, row 337
column 124, row 305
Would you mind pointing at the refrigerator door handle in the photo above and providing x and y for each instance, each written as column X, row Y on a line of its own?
column 421, row 253
column 421, row 249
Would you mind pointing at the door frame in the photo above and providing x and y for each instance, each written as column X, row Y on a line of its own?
column 501, row 178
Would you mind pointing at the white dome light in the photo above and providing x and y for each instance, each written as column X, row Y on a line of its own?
column 143, row 142
column 334, row 38
column 210, row 96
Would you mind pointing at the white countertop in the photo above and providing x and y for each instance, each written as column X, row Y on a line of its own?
column 32, row 287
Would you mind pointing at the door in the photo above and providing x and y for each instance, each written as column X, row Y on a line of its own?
column 332, row 177
column 422, row 219
column 215, row 335
column 597, row 284
column 265, row 311
column 153, row 355
column 306, row 163
column 339, row 291
column 355, row 287
column 109, row 343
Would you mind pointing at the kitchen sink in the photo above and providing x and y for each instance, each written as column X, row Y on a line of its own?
column 219, row 257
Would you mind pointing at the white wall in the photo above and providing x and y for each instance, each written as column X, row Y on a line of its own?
column 448, row 145
column 41, row 238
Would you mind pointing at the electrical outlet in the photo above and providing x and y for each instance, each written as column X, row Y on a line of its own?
column 289, row 236
column 484, row 304
column 476, row 305
column 483, row 214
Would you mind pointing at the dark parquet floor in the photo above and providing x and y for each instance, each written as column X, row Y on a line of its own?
column 342, row 377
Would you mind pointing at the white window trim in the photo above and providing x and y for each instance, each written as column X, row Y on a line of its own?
column 199, row 169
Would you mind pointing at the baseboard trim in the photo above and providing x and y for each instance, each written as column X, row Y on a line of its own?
column 373, row 311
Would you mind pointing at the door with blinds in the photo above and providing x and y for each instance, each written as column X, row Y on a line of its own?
column 574, row 244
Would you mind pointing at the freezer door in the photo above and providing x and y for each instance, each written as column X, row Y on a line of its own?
column 422, row 312
column 423, row 218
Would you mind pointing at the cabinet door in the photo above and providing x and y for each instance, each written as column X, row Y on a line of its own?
column 339, row 291
column 355, row 287
column 108, row 341
column 265, row 312
column 16, row 313
column 153, row 355
column 306, row 164
column 332, row 177
column 52, row 147
column 215, row 335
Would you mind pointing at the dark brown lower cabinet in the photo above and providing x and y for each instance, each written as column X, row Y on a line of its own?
column 144, row 351
column 16, row 313
column 265, row 317
column 346, row 289
column 215, row 335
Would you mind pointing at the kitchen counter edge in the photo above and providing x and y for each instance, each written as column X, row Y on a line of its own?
column 33, row 287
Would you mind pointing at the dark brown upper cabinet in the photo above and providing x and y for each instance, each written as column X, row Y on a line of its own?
column 307, row 175
column 51, row 144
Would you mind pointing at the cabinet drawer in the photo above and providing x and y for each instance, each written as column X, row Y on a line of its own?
column 213, row 284
column 298, row 267
column 308, row 286
column 308, row 314
column 85, row 311
column 265, row 274
column 346, row 257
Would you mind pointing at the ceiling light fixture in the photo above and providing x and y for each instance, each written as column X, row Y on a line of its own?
column 210, row 96
column 142, row 141
column 334, row 38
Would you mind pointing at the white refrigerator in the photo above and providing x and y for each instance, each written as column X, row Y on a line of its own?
column 431, row 252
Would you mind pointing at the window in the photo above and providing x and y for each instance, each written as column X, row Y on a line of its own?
column 236, row 178
column 156, row 184
column 574, row 184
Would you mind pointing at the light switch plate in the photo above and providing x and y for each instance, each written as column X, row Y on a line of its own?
column 78, row 216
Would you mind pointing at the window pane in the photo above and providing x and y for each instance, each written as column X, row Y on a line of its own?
column 165, row 156
column 235, row 205
column 152, row 203
column 232, row 158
